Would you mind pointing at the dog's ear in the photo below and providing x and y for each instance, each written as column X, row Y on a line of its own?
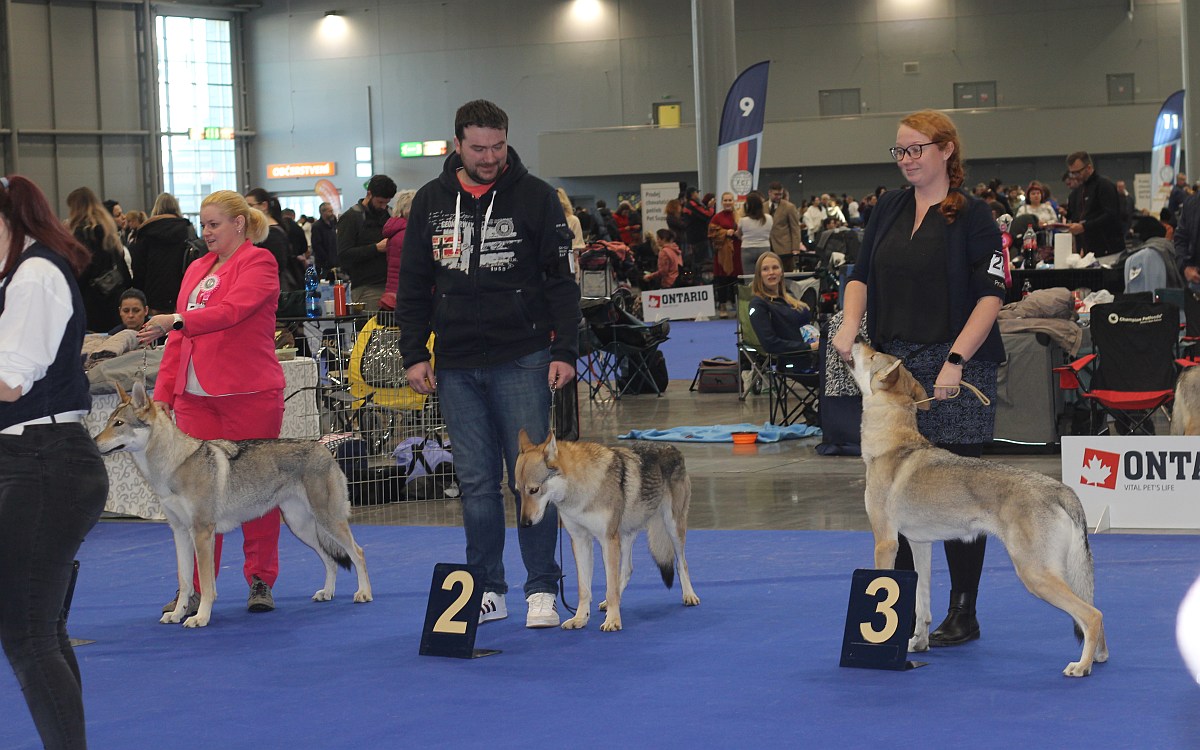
column 551, row 446
column 918, row 393
column 888, row 376
column 523, row 441
column 120, row 392
column 140, row 399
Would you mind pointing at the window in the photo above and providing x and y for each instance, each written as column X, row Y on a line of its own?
column 838, row 102
column 1120, row 88
column 195, row 80
column 975, row 94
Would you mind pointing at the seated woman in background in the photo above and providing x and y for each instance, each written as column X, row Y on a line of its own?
column 782, row 322
column 670, row 258
column 1037, row 206
column 133, row 310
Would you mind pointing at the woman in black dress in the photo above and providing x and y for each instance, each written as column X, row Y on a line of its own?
column 930, row 279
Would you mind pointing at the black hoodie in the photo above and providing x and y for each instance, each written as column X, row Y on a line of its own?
column 487, row 302
column 157, row 256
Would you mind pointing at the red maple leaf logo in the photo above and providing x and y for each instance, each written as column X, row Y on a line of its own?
column 655, row 300
column 1100, row 468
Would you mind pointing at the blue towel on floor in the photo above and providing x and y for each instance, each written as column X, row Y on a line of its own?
column 723, row 433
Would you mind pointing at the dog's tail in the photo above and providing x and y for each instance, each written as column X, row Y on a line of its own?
column 1079, row 570
column 339, row 509
column 661, row 548
column 678, row 494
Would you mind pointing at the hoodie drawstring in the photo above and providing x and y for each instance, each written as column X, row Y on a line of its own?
column 487, row 217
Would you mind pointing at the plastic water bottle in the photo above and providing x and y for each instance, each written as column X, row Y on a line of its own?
column 1029, row 247
column 312, row 295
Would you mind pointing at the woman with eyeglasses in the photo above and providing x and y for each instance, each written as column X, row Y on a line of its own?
column 930, row 280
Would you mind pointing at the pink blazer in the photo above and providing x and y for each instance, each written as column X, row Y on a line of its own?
column 231, row 340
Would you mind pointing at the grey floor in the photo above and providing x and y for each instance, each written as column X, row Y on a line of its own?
column 784, row 485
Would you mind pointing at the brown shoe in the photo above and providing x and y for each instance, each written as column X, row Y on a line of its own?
column 193, row 604
column 260, row 599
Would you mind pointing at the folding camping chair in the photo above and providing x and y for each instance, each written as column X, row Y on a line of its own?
column 630, row 346
column 1133, row 369
column 750, row 350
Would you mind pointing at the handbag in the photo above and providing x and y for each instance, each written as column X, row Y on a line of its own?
column 108, row 282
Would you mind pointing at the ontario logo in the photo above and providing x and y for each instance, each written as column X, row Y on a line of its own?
column 655, row 300
column 1100, row 468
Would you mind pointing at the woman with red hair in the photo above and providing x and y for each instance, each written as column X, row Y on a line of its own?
column 53, row 485
column 930, row 279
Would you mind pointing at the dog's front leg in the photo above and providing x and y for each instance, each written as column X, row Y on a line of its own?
column 581, row 545
column 612, row 581
column 203, row 539
column 185, row 553
column 921, row 552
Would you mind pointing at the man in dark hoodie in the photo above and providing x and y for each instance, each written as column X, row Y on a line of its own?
column 361, row 246
column 486, row 262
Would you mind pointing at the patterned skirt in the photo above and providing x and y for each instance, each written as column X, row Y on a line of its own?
column 958, row 420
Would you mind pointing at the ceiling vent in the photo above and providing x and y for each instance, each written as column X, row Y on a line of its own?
column 912, row 68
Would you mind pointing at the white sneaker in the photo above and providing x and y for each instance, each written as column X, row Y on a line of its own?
column 492, row 607
column 543, row 611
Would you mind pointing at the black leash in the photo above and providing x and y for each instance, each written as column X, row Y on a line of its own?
column 562, row 578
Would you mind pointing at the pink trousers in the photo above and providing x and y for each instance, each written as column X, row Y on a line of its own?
column 243, row 417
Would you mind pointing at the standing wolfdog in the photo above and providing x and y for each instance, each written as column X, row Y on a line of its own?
column 610, row 494
column 929, row 494
column 213, row 486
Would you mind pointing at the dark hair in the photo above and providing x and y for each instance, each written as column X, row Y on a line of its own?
column 28, row 214
column 110, row 204
column 260, row 195
column 775, row 186
column 666, row 235
column 754, row 207
column 137, row 294
column 381, row 186
column 479, row 113
column 1082, row 156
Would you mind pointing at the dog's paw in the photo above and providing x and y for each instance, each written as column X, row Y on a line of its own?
column 170, row 618
column 1077, row 669
column 580, row 620
column 322, row 596
column 690, row 600
column 363, row 596
column 611, row 624
column 1101, row 655
column 195, row 621
column 604, row 606
column 918, row 644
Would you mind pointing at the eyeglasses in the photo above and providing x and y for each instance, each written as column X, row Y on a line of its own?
column 1078, row 172
column 913, row 151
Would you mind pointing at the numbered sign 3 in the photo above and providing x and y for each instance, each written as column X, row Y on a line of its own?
column 452, row 616
column 879, row 619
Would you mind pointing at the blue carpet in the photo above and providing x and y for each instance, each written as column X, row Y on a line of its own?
column 692, row 341
column 756, row 664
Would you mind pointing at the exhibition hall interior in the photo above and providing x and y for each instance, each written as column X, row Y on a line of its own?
column 720, row 185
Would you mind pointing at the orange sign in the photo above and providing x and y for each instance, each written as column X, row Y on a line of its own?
column 317, row 169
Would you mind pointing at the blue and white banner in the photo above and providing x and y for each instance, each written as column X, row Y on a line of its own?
column 1164, row 156
column 739, row 145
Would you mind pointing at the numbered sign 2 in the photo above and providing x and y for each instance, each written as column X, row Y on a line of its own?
column 452, row 616
column 879, row 619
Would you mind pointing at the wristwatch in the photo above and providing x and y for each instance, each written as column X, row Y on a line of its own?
column 955, row 358
column 178, row 324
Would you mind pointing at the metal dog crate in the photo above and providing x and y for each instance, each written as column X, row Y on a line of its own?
column 390, row 441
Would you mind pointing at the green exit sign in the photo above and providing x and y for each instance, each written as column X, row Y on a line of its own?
column 411, row 148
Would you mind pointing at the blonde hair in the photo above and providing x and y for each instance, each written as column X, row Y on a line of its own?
column 404, row 200
column 568, row 209
column 759, row 288
column 165, row 205
column 233, row 205
column 940, row 129
column 86, row 211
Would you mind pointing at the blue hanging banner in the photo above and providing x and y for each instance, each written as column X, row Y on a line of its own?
column 1164, row 156
column 739, row 145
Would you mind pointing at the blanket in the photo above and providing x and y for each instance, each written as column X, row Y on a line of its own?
column 723, row 433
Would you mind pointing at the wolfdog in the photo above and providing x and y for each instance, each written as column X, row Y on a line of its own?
column 213, row 486
column 929, row 494
column 610, row 494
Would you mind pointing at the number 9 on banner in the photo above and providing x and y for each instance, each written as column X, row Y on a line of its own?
column 879, row 620
column 452, row 616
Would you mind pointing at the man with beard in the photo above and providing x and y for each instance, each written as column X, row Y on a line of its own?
column 361, row 247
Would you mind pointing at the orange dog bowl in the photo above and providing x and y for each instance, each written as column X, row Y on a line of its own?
column 744, row 438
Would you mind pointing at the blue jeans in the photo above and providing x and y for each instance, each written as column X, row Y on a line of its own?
column 52, row 490
column 485, row 408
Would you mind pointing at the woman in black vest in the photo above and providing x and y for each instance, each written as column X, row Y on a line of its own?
column 53, row 485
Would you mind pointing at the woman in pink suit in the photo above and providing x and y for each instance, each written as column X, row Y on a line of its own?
column 219, row 371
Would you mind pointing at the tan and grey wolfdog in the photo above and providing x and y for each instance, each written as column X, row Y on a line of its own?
column 208, row 487
column 929, row 494
column 1185, row 413
column 610, row 494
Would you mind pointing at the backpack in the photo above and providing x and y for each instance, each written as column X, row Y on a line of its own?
column 194, row 248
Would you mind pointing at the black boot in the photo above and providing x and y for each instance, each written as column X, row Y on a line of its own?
column 960, row 624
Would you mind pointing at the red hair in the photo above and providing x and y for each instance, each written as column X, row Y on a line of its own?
column 940, row 129
column 27, row 213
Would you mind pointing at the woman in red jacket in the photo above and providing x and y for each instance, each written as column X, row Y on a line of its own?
column 219, row 371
